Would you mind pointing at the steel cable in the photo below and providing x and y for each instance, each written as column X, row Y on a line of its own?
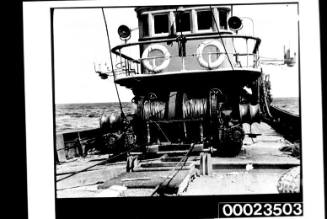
column 99, row 163
column 222, row 39
column 175, row 171
column 111, row 62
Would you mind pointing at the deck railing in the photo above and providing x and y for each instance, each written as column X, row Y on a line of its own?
column 241, row 52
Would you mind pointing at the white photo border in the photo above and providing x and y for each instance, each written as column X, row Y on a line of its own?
column 39, row 95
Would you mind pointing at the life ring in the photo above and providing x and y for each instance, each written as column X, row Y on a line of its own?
column 209, row 64
column 147, row 62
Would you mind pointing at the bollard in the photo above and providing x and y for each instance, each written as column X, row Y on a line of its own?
column 60, row 148
column 129, row 164
column 205, row 164
column 208, row 164
column 148, row 133
column 135, row 162
column 202, row 163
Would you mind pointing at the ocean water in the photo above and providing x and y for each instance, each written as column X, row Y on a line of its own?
column 74, row 117
column 290, row 104
column 82, row 116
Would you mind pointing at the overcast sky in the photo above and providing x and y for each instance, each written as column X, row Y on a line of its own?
column 80, row 40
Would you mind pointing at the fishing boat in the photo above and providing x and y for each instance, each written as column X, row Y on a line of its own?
column 198, row 89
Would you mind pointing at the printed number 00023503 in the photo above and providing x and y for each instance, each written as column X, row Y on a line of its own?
column 260, row 209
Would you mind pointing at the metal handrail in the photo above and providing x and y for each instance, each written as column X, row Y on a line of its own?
column 117, row 49
column 195, row 54
column 133, row 65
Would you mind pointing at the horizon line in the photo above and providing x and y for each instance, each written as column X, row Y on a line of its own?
column 130, row 101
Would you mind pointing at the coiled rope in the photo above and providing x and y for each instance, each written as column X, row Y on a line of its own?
column 194, row 108
column 154, row 109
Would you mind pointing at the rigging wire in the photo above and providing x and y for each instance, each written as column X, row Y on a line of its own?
column 112, row 65
column 221, row 39
column 99, row 163
column 175, row 171
column 160, row 129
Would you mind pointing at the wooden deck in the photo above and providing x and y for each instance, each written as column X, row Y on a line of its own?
column 254, row 171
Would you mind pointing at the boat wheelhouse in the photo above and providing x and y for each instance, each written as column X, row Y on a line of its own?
column 194, row 77
column 196, row 80
column 185, row 43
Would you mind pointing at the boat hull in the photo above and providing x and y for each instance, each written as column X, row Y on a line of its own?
column 189, row 79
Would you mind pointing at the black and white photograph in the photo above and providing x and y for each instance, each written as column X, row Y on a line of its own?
column 213, row 106
column 181, row 100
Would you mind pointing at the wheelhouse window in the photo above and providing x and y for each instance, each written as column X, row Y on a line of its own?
column 161, row 23
column 204, row 20
column 183, row 21
column 223, row 12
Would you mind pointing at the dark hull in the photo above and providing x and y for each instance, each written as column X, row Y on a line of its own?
column 189, row 79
